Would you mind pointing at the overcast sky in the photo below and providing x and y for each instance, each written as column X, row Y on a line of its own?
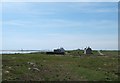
column 70, row 25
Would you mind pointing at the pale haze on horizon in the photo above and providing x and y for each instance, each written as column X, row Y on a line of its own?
column 48, row 25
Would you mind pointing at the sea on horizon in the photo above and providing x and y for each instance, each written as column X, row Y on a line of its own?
column 18, row 51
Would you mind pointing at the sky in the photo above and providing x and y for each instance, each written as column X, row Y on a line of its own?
column 49, row 25
column 59, row 0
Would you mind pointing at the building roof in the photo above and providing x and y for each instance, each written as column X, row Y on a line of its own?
column 87, row 48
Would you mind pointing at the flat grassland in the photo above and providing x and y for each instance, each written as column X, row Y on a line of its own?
column 73, row 66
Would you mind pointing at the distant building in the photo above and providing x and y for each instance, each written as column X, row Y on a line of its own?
column 78, row 49
column 59, row 51
column 88, row 50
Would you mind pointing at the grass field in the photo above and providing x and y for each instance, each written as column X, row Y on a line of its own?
column 74, row 66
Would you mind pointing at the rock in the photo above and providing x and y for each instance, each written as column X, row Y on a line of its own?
column 29, row 68
column 7, row 72
column 10, row 67
column 36, row 69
